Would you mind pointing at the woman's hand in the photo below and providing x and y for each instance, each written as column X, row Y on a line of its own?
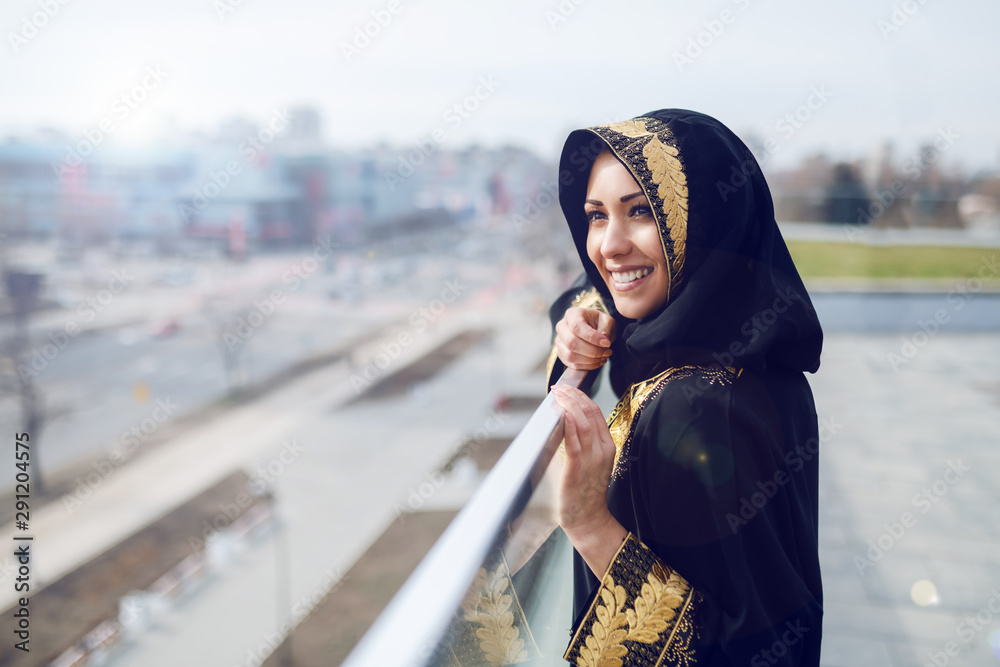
column 582, row 496
column 584, row 337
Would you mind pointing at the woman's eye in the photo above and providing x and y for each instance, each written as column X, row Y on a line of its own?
column 641, row 210
column 594, row 215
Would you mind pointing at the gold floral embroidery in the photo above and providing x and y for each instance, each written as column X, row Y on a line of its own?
column 625, row 415
column 632, row 129
column 661, row 596
column 499, row 638
column 644, row 616
column 671, row 183
column 647, row 147
column 603, row 648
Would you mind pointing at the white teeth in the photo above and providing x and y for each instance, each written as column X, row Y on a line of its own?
column 629, row 276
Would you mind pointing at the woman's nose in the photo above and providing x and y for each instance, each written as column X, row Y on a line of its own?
column 616, row 240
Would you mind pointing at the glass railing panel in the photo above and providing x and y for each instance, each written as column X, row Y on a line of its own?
column 497, row 586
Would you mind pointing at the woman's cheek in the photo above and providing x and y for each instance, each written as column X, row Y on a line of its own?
column 594, row 250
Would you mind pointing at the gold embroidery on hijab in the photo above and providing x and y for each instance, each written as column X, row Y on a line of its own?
column 651, row 139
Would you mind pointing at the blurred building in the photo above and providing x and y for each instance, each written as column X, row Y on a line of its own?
column 254, row 188
column 49, row 191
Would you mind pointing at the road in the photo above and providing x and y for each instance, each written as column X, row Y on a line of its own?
column 113, row 387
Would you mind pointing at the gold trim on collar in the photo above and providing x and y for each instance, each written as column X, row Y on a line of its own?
column 590, row 299
column 625, row 416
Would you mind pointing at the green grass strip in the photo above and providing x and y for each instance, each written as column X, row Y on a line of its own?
column 818, row 259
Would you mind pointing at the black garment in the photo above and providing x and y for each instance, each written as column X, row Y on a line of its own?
column 717, row 467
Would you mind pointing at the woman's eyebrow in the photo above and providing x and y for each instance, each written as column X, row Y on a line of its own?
column 624, row 199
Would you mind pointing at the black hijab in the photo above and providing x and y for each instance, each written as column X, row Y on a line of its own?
column 735, row 297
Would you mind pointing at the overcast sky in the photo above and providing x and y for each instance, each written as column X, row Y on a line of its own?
column 602, row 63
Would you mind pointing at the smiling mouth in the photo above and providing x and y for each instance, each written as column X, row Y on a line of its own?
column 622, row 281
column 629, row 276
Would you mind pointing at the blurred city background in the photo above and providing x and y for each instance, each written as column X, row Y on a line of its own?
column 276, row 281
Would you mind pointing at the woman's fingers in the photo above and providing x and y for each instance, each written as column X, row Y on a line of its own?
column 572, row 440
column 582, row 426
column 602, row 443
column 607, row 325
column 578, row 351
column 586, row 473
column 578, row 343
column 586, row 323
column 575, row 360
column 571, row 433
column 589, row 426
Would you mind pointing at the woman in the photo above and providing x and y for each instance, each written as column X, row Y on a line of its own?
column 693, row 509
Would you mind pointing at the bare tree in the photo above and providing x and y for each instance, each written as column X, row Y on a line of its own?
column 234, row 321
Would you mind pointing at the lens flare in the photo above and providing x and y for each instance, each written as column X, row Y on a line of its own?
column 924, row 593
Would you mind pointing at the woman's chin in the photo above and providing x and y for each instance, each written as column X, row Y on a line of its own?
column 638, row 299
column 634, row 309
column 628, row 308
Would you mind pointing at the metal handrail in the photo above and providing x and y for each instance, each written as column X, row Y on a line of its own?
column 416, row 619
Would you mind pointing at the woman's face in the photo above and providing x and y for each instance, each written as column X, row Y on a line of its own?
column 623, row 241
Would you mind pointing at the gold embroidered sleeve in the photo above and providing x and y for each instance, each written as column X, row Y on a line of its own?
column 643, row 614
column 587, row 299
